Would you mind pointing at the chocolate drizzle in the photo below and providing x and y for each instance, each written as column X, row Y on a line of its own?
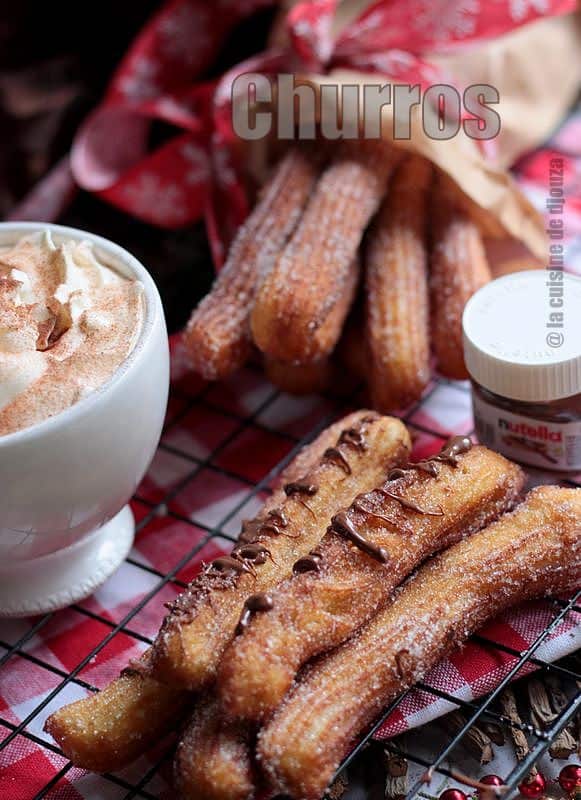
column 454, row 447
column 230, row 565
column 353, row 437
column 254, row 552
column 251, row 551
column 274, row 523
column 404, row 665
column 410, row 504
column 297, row 487
column 136, row 667
column 358, row 505
column 250, row 530
column 343, row 526
column 308, row 563
column 253, row 604
column 336, row 456
column 430, row 467
column 396, row 473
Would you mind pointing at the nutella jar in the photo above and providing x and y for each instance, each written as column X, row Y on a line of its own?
column 522, row 347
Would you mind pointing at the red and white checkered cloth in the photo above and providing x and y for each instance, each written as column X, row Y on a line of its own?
column 477, row 669
column 218, row 443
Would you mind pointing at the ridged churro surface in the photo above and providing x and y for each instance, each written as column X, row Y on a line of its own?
column 202, row 621
column 458, row 268
column 367, row 552
column 108, row 730
column 213, row 759
column 307, row 281
column 315, row 376
column 530, row 552
column 396, row 290
column 217, row 336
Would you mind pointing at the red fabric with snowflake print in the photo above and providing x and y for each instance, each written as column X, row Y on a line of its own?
column 195, row 173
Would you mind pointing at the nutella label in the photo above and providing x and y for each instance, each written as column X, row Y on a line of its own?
column 548, row 445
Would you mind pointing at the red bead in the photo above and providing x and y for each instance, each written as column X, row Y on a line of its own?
column 489, row 780
column 453, row 794
column 533, row 787
column 570, row 778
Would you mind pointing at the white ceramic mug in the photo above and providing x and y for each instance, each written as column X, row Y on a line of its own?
column 65, row 525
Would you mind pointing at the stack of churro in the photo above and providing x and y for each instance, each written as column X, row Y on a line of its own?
column 362, row 570
column 354, row 214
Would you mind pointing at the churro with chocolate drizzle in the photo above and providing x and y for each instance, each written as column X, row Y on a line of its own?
column 370, row 547
column 534, row 550
column 203, row 620
column 111, row 728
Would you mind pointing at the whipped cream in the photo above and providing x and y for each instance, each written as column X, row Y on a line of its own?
column 67, row 322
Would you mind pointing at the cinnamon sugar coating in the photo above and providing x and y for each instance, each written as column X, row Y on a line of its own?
column 396, row 290
column 213, row 758
column 459, row 268
column 107, row 730
column 217, row 336
column 202, row 621
column 533, row 551
column 306, row 284
column 315, row 376
column 111, row 728
column 369, row 549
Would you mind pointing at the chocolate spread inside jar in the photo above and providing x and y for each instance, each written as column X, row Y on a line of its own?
column 522, row 346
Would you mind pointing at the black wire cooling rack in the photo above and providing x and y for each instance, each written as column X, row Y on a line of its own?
column 484, row 710
column 59, row 788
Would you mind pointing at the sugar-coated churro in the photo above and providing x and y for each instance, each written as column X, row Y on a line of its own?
column 352, row 350
column 369, row 549
column 217, row 336
column 213, row 759
column 396, row 282
column 314, row 376
column 203, row 620
column 534, row 550
column 458, row 268
column 299, row 379
column 307, row 281
column 108, row 730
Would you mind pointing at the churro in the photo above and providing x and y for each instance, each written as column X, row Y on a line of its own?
column 534, row 550
column 314, row 376
column 305, row 285
column 369, row 549
column 458, row 268
column 299, row 379
column 352, row 350
column 233, row 589
column 213, row 759
column 111, row 728
column 108, row 730
column 396, row 283
column 217, row 336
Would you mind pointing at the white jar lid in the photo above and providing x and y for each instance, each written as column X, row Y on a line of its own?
column 522, row 336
